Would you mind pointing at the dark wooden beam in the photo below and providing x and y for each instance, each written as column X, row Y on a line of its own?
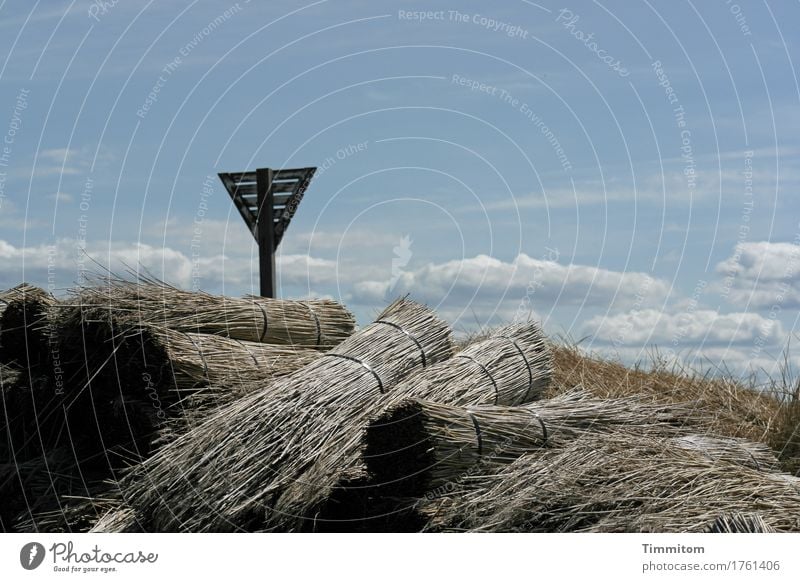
column 265, row 229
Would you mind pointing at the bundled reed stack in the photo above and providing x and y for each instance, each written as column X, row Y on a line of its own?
column 128, row 379
column 318, row 323
column 738, row 451
column 512, row 366
column 23, row 326
column 237, row 462
column 620, row 483
column 420, row 447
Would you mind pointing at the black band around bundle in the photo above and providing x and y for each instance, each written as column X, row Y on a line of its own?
column 200, row 353
column 477, row 432
column 544, row 428
column 411, row 337
column 357, row 361
column 245, row 348
column 266, row 322
column 527, row 365
column 485, row 371
column 316, row 321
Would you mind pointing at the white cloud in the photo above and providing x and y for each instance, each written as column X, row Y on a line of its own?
column 484, row 290
column 761, row 274
column 698, row 339
column 674, row 331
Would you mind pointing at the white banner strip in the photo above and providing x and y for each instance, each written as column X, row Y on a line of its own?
column 379, row 557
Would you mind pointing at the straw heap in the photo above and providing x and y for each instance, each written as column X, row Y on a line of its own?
column 319, row 323
column 236, row 463
column 420, row 446
column 620, row 483
column 512, row 366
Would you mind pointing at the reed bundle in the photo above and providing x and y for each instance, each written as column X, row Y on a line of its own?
column 738, row 451
column 319, row 323
column 620, row 483
column 418, row 447
column 127, row 379
column 511, row 366
column 236, row 463
column 195, row 360
column 23, row 337
column 740, row 523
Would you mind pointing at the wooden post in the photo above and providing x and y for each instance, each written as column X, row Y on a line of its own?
column 266, row 232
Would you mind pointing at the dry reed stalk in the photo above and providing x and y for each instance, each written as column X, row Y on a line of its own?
column 740, row 523
column 619, row 483
column 23, row 338
column 235, row 464
column 419, row 447
column 738, row 451
column 510, row 366
column 319, row 323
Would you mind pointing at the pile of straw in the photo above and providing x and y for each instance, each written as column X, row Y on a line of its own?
column 511, row 366
column 620, row 483
column 418, row 446
column 734, row 408
column 319, row 323
column 23, row 338
column 237, row 462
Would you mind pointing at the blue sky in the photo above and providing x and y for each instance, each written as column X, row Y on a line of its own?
column 626, row 172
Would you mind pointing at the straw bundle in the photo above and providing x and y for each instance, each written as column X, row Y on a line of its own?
column 511, row 366
column 740, row 523
column 739, row 451
column 127, row 379
column 22, row 325
column 236, row 463
column 196, row 359
column 620, row 483
column 319, row 323
column 418, row 446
